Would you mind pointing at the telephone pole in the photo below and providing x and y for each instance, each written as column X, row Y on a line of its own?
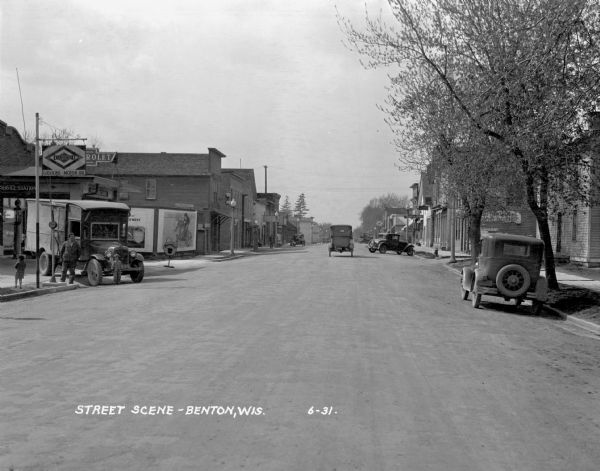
column 265, row 180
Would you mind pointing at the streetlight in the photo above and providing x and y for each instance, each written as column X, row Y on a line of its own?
column 255, row 236
column 231, row 203
column 276, row 227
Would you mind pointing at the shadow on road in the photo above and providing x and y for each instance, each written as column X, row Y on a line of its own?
column 522, row 310
column 163, row 271
column 160, row 279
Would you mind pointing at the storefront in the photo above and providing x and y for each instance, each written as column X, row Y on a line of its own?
column 17, row 187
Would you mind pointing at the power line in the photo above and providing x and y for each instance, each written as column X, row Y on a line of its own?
column 22, row 108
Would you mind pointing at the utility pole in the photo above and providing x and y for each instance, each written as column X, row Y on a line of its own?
column 37, row 200
column 265, row 181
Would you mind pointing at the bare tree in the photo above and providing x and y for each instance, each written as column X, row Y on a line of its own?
column 521, row 73
column 375, row 210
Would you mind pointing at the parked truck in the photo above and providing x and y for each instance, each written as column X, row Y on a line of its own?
column 100, row 227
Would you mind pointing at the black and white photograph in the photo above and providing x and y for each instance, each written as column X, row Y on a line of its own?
column 322, row 235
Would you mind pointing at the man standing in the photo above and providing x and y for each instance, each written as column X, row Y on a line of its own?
column 69, row 253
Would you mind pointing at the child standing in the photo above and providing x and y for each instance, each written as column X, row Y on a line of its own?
column 20, row 271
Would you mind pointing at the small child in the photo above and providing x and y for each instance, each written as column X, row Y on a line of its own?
column 20, row 271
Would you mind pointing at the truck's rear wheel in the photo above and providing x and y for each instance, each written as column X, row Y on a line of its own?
column 45, row 263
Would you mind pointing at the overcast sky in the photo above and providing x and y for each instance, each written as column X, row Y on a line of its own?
column 267, row 82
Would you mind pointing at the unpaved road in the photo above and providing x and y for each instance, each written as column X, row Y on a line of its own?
column 405, row 375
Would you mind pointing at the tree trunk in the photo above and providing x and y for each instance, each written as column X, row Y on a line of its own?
column 475, row 214
column 548, row 252
column 541, row 214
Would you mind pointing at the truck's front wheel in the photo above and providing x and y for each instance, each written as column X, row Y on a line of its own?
column 94, row 272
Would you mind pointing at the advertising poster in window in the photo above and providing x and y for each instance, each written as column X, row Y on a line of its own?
column 177, row 228
column 141, row 229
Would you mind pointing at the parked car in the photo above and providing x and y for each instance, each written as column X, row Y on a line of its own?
column 391, row 242
column 341, row 239
column 297, row 239
column 364, row 238
column 509, row 267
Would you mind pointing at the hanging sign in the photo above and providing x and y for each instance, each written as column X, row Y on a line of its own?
column 63, row 161
column 93, row 156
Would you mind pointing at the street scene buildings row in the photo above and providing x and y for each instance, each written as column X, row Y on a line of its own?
column 435, row 220
column 186, row 200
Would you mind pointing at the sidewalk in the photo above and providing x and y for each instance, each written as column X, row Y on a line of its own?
column 581, row 277
column 30, row 286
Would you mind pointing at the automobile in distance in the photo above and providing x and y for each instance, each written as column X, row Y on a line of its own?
column 341, row 239
column 297, row 239
column 100, row 227
column 508, row 267
column 391, row 242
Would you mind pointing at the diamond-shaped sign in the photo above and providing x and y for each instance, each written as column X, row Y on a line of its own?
column 64, row 161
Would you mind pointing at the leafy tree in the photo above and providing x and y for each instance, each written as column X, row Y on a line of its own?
column 521, row 73
column 300, row 208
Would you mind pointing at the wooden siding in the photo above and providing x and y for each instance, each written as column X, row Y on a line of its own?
column 171, row 192
column 595, row 232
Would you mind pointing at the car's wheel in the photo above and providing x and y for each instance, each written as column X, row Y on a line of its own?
column 383, row 249
column 513, row 280
column 94, row 272
column 137, row 276
column 45, row 263
column 372, row 250
column 476, row 300
column 410, row 251
column 536, row 307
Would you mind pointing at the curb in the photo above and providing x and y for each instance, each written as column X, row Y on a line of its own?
column 49, row 288
column 36, row 292
column 587, row 325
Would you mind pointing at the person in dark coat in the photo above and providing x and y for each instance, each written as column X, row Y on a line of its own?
column 70, row 252
column 20, row 271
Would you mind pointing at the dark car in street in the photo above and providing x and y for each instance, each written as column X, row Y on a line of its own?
column 509, row 267
column 391, row 242
column 341, row 239
column 297, row 239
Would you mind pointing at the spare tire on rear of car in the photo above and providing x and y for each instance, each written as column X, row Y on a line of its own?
column 513, row 280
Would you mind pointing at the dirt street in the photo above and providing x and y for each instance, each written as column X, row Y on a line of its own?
column 296, row 361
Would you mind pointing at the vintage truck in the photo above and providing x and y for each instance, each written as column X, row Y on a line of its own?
column 100, row 227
